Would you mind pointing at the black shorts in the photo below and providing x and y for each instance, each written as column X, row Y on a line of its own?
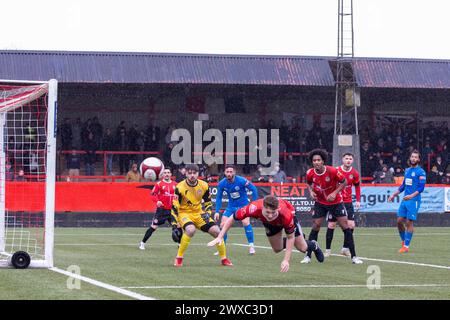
column 161, row 216
column 272, row 230
column 333, row 211
column 350, row 213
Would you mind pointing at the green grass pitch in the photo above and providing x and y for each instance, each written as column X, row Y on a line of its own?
column 111, row 256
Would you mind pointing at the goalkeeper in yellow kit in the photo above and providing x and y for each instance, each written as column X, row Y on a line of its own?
column 187, row 212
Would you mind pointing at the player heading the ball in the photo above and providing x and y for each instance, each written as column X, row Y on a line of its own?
column 276, row 215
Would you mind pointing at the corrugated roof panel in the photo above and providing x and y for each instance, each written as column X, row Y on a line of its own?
column 402, row 73
column 106, row 67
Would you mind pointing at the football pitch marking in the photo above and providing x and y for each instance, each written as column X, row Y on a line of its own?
column 241, row 233
column 289, row 286
column 103, row 285
column 364, row 258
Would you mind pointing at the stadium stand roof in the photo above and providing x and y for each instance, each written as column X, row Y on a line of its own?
column 166, row 68
column 402, row 73
column 108, row 67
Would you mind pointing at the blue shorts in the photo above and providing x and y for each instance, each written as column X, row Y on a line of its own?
column 230, row 211
column 409, row 209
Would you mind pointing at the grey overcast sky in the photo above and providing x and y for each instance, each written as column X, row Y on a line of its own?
column 383, row 28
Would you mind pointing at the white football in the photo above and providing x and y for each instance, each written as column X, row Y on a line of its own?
column 151, row 168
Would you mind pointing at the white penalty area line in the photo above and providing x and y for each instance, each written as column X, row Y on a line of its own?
column 368, row 259
column 103, row 285
column 290, row 286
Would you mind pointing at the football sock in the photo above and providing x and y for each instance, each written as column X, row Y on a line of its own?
column 148, row 234
column 349, row 242
column 402, row 235
column 184, row 243
column 329, row 237
column 225, row 237
column 312, row 236
column 222, row 250
column 408, row 237
column 311, row 245
column 249, row 233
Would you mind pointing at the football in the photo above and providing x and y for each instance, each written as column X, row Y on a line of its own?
column 151, row 168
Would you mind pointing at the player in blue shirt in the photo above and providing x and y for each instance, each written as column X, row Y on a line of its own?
column 413, row 185
column 236, row 188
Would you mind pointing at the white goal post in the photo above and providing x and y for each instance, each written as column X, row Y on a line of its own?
column 27, row 170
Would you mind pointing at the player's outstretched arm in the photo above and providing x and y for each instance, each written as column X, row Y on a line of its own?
column 226, row 227
column 287, row 255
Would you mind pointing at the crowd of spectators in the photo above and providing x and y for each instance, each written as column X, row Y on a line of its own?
column 384, row 149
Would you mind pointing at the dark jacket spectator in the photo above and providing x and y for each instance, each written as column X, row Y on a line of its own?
column 433, row 176
column 181, row 174
column 257, row 176
column 291, row 167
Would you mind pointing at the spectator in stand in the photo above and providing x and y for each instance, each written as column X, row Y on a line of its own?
column 167, row 155
column 21, row 176
column 399, row 174
column 76, row 134
column 85, row 131
column 388, row 174
column 108, row 144
column 446, row 178
column 9, row 173
column 213, row 169
column 365, row 155
column 66, row 135
column 133, row 175
column 74, row 165
column 140, row 143
column 120, row 127
column 122, row 145
column 181, row 174
column 258, row 176
column 279, row 175
column 90, row 158
column 168, row 136
column 284, row 132
column 433, row 176
column 291, row 167
column 97, row 130
column 441, row 165
column 153, row 134
column 12, row 149
column 133, row 135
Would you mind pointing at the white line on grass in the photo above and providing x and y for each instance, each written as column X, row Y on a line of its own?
column 290, row 286
column 238, row 234
column 369, row 259
column 103, row 285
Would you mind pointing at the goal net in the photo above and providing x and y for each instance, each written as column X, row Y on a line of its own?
column 27, row 171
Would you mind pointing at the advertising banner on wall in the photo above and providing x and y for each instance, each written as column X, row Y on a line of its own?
column 447, row 199
column 373, row 199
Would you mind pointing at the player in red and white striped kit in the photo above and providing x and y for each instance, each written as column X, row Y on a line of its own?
column 164, row 191
column 353, row 179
